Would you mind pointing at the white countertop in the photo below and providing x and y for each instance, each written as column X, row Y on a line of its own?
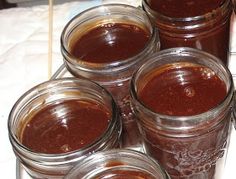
column 24, row 57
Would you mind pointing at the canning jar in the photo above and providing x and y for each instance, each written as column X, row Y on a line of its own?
column 106, row 44
column 182, row 98
column 57, row 123
column 118, row 164
column 202, row 24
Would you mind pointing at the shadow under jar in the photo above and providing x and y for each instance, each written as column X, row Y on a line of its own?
column 183, row 99
column 54, row 125
column 118, row 164
column 202, row 24
column 106, row 44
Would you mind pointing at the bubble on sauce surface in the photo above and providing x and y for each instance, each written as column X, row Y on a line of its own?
column 189, row 91
column 108, row 25
column 207, row 73
column 65, row 148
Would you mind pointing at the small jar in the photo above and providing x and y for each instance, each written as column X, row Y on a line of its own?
column 106, row 44
column 202, row 24
column 57, row 123
column 118, row 163
column 182, row 98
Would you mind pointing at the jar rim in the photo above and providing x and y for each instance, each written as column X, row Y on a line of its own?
column 114, row 66
column 183, row 119
column 53, row 84
column 118, row 155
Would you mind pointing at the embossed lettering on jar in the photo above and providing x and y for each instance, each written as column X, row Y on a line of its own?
column 182, row 98
column 202, row 24
column 106, row 44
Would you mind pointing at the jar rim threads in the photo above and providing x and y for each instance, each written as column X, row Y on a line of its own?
column 114, row 159
column 52, row 92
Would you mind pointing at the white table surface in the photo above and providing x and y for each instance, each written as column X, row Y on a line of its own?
column 23, row 64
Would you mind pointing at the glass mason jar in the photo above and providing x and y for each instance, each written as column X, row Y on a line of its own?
column 187, row 145
column 56, row 97
column 118, row 163
column 198, row 24
column 108, row 25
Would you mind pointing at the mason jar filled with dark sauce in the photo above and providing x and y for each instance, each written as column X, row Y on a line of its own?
column 183, row 100
column 202, row 24
column 118, row 164
column 106, row 44
column 54, row 125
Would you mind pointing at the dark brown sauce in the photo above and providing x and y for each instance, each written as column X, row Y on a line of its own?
column 215, row 42
column 65, row 126
column 125, row 174
column 183, row 92
column 210, row 34
column 186, row 91
column 184, row 8
column 110, row 42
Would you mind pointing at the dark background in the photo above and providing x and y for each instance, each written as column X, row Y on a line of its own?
column 4, row 4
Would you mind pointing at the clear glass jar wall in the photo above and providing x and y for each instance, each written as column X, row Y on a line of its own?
column 54, row 97
column 187, row 146
column 118, row 163
column 204, row 25
column 114, row 74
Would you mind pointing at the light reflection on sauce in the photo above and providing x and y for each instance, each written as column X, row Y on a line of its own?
column 110, row 42
column 66, row 126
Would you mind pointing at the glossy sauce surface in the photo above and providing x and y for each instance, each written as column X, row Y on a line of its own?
column 66, row 126
column 184, row 8
column 186, row 91
column 110, row 42
column 183, row 92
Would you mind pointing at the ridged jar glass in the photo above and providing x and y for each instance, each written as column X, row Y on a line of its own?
column 187, row 146
column 56, row 92
column 113, row 74
column 207, row 29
